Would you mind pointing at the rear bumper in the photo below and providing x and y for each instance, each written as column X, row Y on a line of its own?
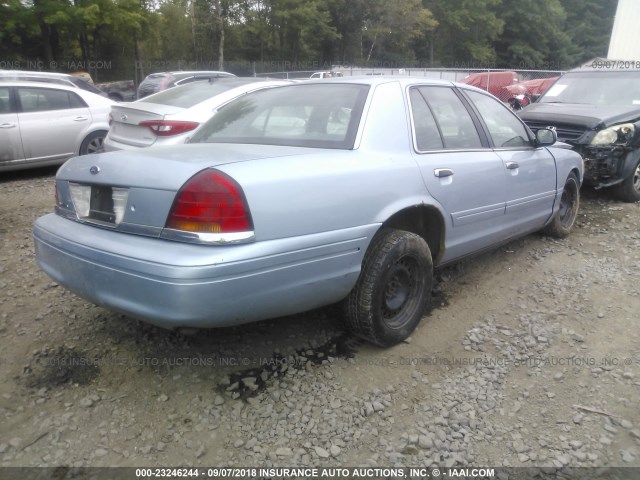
column 174, row 285
column 112, row 145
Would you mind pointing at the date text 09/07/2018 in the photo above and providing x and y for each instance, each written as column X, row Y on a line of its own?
column 313, row 472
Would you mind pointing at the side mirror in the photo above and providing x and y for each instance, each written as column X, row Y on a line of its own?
column 546, row 137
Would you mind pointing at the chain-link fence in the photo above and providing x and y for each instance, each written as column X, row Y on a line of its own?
column 504, row 84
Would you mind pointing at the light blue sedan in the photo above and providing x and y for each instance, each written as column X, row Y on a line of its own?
column 347, row 190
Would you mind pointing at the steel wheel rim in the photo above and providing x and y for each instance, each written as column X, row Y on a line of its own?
column 401, row 290
column 636, row 179
column 567, row 207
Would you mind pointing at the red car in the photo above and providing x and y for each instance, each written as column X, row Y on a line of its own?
column 495, row 83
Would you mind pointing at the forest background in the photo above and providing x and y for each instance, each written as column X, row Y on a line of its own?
column 124, row 39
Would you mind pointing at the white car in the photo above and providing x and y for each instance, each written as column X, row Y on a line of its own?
column 45, row 124
column 171, row 116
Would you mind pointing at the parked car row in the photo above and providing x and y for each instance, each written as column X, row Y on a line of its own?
column 302, row 195
column 262, row 198
column 46, row 118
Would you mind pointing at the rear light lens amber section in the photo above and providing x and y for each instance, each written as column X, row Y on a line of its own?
column 210, row 202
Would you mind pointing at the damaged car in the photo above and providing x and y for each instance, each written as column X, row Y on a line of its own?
column 597, row 111
column 339, row 190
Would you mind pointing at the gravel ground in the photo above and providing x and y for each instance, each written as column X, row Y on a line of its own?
column 530, row 357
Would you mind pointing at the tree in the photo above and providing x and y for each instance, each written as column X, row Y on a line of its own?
column 348, row 17
column 16, row 33
column 589, row 24
column 534, row 36
column 466, row 31
column 391, row 25
column 300, row 27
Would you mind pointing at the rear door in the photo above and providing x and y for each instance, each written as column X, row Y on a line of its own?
column 531, row 172
column 460, row 170
column 52, row 122
column 10, row 141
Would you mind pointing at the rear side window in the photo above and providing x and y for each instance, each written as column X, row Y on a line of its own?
column 452, row 119
column 85, row 85
column 5, row 100
column 44, row 99
column 426, row 129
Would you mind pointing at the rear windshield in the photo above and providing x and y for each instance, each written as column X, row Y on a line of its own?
column 85, row 85
column 314, row 115
column 613, row 88
column 187, row 96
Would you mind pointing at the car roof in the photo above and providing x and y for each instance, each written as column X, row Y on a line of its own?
column 10, row 73
column 195, row 72
column 381, row 79
column 590, row 69
column 85, row 94
column 25, row 83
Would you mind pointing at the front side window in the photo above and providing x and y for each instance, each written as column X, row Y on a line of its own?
column 317, row 116
column 452, row 119
column 504, row 127
column 44, row 99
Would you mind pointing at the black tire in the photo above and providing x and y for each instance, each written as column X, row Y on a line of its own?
column 93, row 143
column 393, row 289
column 629, row 190
column 565, row 217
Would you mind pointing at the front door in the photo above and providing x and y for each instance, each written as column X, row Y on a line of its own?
column 459, row 169
column 531, row 171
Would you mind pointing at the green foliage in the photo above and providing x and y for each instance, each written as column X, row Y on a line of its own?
column 156, row 35
column 589, row 24
column 467, row 30
column 534, row 36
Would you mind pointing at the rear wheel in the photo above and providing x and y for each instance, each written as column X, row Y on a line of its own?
column 93, row 143
column 393, row 289
column 629, row 189
column 566, row 215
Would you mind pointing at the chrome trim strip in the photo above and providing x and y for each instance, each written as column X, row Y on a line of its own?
column 208, row 238
column 66, row 213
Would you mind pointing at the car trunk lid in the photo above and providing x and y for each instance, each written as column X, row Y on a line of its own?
column 134, row 191
column 126, row 125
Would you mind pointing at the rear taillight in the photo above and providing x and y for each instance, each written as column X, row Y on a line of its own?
column 167, row 128
column 210, row 202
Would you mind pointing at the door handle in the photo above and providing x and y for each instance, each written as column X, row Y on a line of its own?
column 8, row 125
column 443, row 172
column 512, row 165
column 80, row 119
